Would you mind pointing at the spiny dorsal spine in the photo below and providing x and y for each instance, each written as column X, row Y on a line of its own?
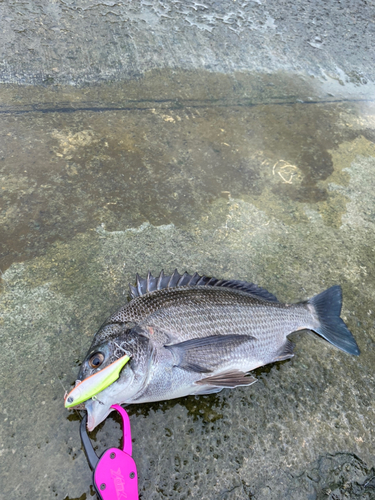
column 176, row 280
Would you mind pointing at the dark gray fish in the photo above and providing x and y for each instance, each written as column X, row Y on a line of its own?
column 190, row 334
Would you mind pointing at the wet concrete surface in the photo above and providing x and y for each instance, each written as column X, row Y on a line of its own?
column 66, row 169
column 249, row 155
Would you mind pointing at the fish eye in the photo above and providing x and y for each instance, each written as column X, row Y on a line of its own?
column 96, row 359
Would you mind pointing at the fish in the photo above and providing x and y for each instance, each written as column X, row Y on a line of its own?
column 186, row 334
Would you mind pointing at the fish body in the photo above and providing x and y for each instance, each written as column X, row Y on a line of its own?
column 196, row 335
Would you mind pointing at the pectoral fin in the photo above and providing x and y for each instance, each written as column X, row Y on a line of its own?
column 212, row 390
column 204, row 355
column 231, row 379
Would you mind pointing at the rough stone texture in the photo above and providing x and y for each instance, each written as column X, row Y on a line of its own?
column 235, row 139
column 90, row 41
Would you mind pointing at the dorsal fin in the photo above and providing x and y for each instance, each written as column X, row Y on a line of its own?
column 175, row 280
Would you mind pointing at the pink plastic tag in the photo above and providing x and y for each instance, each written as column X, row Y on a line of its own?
column 115, row 476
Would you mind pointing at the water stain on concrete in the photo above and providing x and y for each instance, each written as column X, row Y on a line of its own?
column 63, row 173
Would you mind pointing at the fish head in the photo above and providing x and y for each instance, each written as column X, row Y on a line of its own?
column 123, row 349
column 103, row 351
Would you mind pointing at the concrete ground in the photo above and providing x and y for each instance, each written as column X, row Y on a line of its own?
column 235, row 139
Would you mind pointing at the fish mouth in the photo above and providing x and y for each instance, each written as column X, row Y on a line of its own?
column 90, row 421
column 97, row 411
column 81, row 406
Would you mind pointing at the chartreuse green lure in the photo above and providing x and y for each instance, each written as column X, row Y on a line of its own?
column 95, row 383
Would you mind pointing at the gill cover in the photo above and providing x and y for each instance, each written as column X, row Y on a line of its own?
column 95, row 383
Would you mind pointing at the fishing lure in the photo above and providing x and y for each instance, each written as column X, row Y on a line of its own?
column 96, row 383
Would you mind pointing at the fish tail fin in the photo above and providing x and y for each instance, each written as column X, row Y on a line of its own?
column 327, row 308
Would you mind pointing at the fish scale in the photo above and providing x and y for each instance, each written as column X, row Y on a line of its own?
column 191, row 334
column 192, row 312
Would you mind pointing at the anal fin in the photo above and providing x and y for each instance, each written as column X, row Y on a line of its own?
column 285, row 352
column 231, row 379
